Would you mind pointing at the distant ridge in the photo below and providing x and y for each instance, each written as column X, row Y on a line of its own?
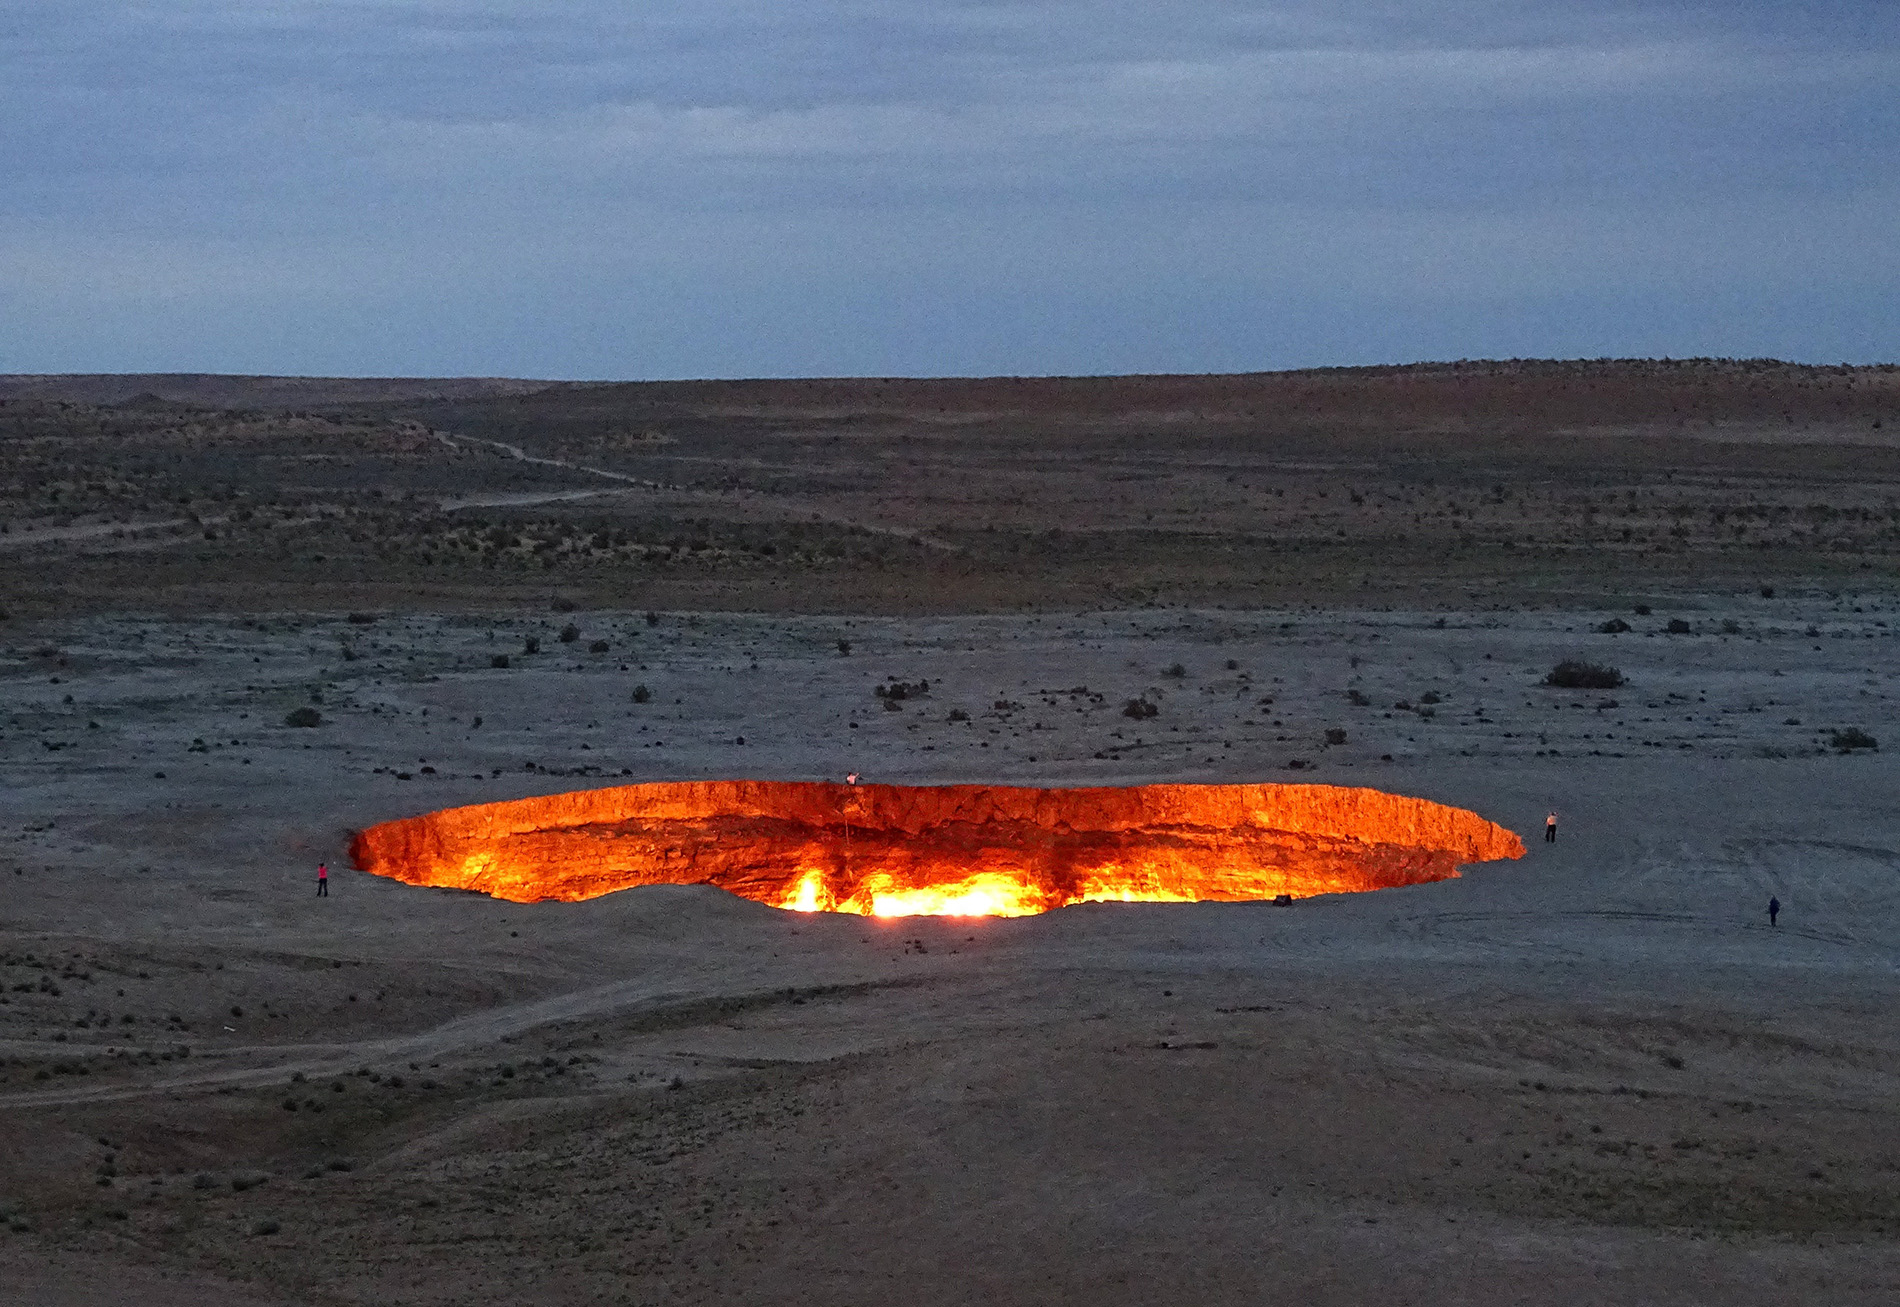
column 212, row 390
column 1081, row 394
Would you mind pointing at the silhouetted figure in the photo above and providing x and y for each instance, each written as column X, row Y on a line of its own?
column 323, row 881
column 1774, row 909
column 1550, row 829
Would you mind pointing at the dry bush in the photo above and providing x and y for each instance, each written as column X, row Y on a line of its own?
column 1851, row 738
column 1574, row 674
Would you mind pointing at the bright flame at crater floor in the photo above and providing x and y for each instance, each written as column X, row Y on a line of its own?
column 938, row 850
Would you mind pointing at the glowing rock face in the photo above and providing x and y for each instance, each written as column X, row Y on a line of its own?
column 978, row 850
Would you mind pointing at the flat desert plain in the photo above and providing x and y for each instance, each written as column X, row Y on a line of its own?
column 1593, row 1074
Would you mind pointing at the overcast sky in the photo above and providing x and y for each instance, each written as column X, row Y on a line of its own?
column 644, row 188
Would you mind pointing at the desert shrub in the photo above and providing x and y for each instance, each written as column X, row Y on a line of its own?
column 1850, row 739
column 1175, row 670
column 303, row 717
column 499, row 660
column 958, row 715
column 530, row 645
column 1641, row 610
column 844, row 646
column 570, row 633
column 1431, row 696
column 653, row 619
column 1357, row 698
column 1573, row 674
column 1615, row 626
column 1139, row 709
column 900, row 690
column 265, row 1227
column 1731, row 627
column 1335, row 735
column 1678, row 626
column 562, row 605
column 1768, row 592
column 1233, row 664
column 362, row 619
column 598, row 646
column 641, row 694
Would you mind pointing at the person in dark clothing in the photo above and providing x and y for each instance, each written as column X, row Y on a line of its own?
column 1550, row 829
column 1774, row 909
column 323, row 881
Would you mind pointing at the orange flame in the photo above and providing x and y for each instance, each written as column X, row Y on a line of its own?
column 956, row 850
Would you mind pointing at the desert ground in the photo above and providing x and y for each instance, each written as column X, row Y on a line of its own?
column 1594, row 1074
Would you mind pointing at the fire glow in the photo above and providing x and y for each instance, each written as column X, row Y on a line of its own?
column 938, row 850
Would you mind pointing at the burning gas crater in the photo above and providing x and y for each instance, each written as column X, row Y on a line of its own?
column 954, row 850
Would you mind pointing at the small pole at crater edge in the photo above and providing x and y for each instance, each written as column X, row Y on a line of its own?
column 851, row 778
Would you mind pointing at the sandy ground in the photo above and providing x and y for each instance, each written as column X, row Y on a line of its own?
column 1593, row 1075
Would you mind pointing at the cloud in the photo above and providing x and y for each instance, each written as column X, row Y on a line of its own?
column 498, row 154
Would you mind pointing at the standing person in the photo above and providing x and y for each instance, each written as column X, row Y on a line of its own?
column 323, row 881
column 1550, row 829
column 1774, row 909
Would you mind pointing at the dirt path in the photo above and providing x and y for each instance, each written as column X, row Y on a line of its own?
column 641, row 483
column 458, row 1035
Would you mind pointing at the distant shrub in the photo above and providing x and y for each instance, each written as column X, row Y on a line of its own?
column 901, row 690
column 1139, row 709
column 530, row 645
column 958, row 715
column 1768, row 592
column 362, row 619
column 499, row 660
column 562, row 605
column 1335, row 735
column 1850, row 739
column 303, row 717
column 1641, row 610
column 1431, row 696
column 265, row 1228
column 1731, row 627
column 1357, row 698
column 570, row 633
column 1615, row 626
column 598, row 646
column 1175, row 670
column 653, row 619
column 844, row 646
column 1678, row 626
column 641, row 694
column 1572, row 674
